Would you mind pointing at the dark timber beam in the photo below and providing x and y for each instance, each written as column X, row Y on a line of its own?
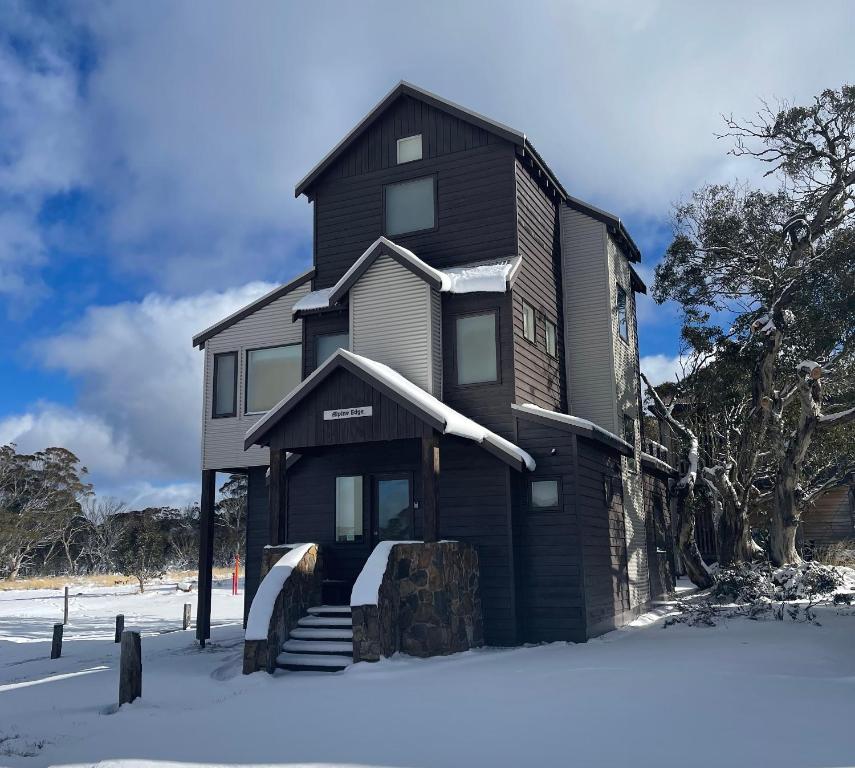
column 430, row 486
column 206, row 556
column 277, row 512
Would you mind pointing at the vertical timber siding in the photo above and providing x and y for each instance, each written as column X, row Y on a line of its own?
column 320, row 325
column 539, row 377
column 256, row 532
column 222, row 439
column 390, row 320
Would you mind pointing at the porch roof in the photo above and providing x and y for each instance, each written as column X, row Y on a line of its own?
column 575, row 424
column 424, row 406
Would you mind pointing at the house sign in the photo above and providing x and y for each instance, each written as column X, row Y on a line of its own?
column 347, row 413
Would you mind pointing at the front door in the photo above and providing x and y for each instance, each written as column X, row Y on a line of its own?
column 392, row 508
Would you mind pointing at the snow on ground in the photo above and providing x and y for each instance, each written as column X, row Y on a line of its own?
column 784, row 694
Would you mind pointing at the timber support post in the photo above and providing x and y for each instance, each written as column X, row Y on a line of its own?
column 130, row 668
column 186, row 620
column 206, row 556
column 56, row 645
column 430, row 486
column 65, row 607
column 277, row 498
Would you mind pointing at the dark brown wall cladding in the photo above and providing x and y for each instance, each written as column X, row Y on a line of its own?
column 475, row 191
column 320, row 325
column 660, row 539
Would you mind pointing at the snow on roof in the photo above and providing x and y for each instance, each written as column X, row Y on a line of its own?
column 314, row 300
column 258, row 621
column 493, row 277
column 657, row 462
column 576, row 421
column 454, row 423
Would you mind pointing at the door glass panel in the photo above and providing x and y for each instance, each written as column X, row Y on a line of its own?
column 394, row 516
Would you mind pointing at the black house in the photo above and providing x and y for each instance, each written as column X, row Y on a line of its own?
column 458, row 370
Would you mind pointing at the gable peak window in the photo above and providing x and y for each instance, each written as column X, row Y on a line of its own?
column 410, row 206
column 225, row 385
column 409, row 149
column 529, row 320
column 623, row 322
column 476, row 355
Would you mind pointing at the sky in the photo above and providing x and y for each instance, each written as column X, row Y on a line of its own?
column 149, row 152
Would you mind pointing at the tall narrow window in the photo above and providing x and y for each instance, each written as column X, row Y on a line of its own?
column 623, row 323
column 326, row 345
column 529, row 322
column 551, row 339
column 225, row 385
column 475, row 349
column 409, row 149
column 410, row 206
column 270, row 375
column 348, row 508
column 629, row 429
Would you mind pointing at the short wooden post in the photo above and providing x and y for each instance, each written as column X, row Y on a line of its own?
column 186, row 615
column 65, row 608
column 56, row 646
column 130, row 668
column 120, row 627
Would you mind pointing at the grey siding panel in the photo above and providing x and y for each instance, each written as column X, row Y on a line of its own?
column 390, row 320
column 539, row 377
column 436, row 342
column 222, row 439
column 256, row 532
column 587, row 318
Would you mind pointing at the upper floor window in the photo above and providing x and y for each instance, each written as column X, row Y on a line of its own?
column 551, row 339
column 529, row 327
column 410, row 206
column 409, row 149
column 271, row 374
column 225, row 385
column 326, row 345
column 543, row 494
column 623, row 323
column 476, row 351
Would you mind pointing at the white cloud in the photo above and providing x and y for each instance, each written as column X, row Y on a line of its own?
column 661, row 368
column 136, row 425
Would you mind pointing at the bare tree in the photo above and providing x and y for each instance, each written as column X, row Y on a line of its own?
column 105, row 518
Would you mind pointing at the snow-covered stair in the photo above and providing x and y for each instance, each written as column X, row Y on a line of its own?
column 322, row 641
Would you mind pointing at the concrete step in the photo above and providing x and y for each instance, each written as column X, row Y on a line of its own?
column 330, row 610
column 307, row 633
column 312, row 662
column 325, row 621
column 319, row 646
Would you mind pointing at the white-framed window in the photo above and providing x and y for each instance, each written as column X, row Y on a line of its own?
column 271, row 373
column 623, row 322
column 529, row 327
column 476, row 350
column 348, row 508
column 327, row 344
column 543, row 494
column 410, row 206
column 551, row 339
column 409, row 149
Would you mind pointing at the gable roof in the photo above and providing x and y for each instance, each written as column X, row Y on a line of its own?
column 277, row 293
column 393, row 385
column 403, row 88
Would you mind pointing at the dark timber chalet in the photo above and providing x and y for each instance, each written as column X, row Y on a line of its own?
column 460, row 364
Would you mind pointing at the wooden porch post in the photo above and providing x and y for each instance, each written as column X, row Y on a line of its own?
column 206, row 556
column 278, row 497
column 430, row 486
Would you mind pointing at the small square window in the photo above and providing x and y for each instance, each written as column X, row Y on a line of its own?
column 410, row 149
column 529, row 327
column 410, row 206
column 551, row 339
column 623, row 322
column 544, row 494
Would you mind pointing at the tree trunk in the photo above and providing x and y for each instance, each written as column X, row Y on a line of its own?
column 735, row 544
column 696, row 568
column 142, row 584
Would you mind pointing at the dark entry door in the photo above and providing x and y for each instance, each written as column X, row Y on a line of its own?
column 392, row 508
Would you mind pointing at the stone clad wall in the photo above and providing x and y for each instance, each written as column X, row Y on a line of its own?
column 302, row 590
column 429, row 604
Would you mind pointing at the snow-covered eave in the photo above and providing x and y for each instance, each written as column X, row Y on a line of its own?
column 575, row 424
column 657, row 464
column 440, row 416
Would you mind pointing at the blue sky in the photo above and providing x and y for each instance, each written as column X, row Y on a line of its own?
column 148, row 153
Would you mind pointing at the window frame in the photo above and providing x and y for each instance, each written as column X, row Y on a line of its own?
column 214, row 414
column 362, row 497
column 435, row 226
column 530, row 496
column 498, row 380
column 622, row 318
column 533, row 338
column 319, row 336
column 246, row 411
column 546, row 324
column 421, row 156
